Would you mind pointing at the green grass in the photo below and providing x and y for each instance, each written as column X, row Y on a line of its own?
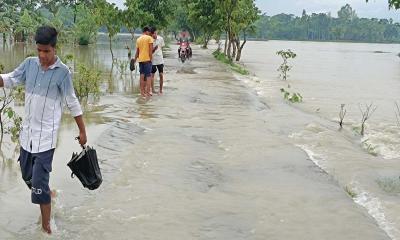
column 235, row 67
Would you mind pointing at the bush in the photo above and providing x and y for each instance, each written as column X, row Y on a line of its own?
column 87, row 82
column 284, row 68
column 292, row 97
column 10, row 122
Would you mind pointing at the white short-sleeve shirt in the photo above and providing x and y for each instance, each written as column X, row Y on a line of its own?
column 158, row 55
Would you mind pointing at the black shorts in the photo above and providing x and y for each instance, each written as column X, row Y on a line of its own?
column 159, row 67
column 35, row 169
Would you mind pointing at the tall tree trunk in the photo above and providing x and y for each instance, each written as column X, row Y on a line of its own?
column 75, row 11
column 206, row 40
column 112, row 54
column 234, row 48
column 226, row 44
column 240, row 47
column 229, row 53
column 193, row 36
column 4, row 39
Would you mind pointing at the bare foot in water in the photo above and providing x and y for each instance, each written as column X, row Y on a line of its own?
column 46, row 209
column 46, row 228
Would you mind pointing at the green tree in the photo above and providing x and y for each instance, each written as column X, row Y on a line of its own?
column 324, row 27
column 110, row 16
column 85, row 29
column 134, row 17
column 181, row 21
column 346, row 13
column 244, row 18
column 27, row 25
column 204, row 16
column 238, row 18
column 161, row 11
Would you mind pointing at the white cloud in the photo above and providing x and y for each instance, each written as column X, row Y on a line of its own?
column 119, row 3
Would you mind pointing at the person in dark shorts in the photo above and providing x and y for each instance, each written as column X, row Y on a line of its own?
column 158, row 59
column 48, row 87
column 144, row 52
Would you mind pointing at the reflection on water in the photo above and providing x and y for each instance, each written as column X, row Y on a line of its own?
column 115, row 80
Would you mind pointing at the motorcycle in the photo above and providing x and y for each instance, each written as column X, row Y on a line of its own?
column 183, row 55
column 185, row 52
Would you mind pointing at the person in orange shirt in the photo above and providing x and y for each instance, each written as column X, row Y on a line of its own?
column 144, row 54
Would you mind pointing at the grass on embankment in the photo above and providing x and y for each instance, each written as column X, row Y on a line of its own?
column 235, row 67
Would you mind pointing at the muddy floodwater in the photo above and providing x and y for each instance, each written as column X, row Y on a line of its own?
column 223, row 156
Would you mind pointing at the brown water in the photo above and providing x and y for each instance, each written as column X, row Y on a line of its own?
column 218, row 156
column 328, row 75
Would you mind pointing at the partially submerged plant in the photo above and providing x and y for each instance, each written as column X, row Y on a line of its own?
column 292, row 97
column 122, row 66
column 284, row 68
column 87, row 82
column 10, row 122
column 350, row 192
column 14, row 124
column 370, row 148
column 342, row 114
column 366, row 114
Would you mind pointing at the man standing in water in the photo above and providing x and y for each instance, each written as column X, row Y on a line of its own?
column 48, row 85
column 144, row 52
column 158, row 59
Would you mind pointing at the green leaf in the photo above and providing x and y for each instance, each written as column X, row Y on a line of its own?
column 10, row 113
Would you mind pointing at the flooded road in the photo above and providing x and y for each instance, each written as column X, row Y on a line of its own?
column 212, row 158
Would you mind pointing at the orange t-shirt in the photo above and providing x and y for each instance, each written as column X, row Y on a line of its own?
column 143, row 44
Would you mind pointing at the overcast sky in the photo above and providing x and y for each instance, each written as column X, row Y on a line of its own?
column 373, row 9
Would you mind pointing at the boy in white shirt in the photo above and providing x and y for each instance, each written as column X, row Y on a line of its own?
column 158, row 59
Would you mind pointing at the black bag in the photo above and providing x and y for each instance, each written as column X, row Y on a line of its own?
column 86, row 167
column 132, row 64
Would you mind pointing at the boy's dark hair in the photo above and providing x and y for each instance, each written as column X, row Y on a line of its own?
column 153, row 30
column 146, row 29
column 46, row 35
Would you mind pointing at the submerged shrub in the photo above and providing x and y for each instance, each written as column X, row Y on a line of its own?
column 284, row 68
column 87, row 82
column 292, row 97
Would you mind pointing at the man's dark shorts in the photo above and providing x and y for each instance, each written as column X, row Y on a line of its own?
column 145, row 69
column 35, row 169
column 159, row 67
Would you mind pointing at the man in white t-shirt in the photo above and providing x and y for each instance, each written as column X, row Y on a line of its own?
column 158, row 59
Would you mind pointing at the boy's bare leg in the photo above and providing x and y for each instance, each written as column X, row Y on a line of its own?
column 142, row 86
column 152, row 83
column 148, row 86
column 161, row 82
column 45, row 210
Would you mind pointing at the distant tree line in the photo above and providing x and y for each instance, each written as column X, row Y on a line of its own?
column 79, row 20
column 323, row 27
